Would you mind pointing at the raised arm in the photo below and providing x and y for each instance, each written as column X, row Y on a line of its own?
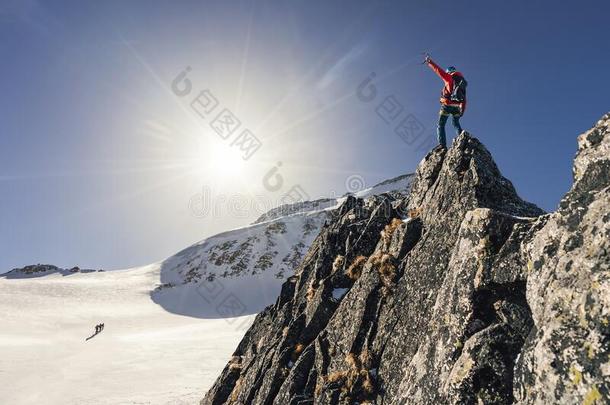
column 446, row 77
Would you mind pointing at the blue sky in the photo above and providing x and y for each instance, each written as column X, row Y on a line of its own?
column 100, row 162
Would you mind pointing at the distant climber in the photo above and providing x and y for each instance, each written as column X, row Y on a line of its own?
column 98, row 328
column 453, row 98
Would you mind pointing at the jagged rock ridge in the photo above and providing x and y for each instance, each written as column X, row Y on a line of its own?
column 476, row 297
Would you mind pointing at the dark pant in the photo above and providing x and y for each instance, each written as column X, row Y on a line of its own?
column 443, row 115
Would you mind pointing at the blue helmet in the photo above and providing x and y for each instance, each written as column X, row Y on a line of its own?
column 451, row 69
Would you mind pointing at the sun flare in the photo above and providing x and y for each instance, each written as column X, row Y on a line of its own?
column 219, row 159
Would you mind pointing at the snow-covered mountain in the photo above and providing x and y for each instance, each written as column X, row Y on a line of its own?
column 241, row 271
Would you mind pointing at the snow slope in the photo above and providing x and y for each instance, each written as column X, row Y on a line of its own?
column 145, row 355
column 238, row 272
column 397, row 185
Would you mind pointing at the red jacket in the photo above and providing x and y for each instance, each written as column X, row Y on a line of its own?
column 448, row 89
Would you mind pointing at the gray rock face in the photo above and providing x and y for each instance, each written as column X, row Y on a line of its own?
column 476, row 296
column 566, row 356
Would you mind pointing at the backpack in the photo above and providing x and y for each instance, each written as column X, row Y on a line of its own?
column 459, row 88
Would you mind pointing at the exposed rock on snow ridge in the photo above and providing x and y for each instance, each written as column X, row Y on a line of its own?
column 479, row 297
column 39, row 270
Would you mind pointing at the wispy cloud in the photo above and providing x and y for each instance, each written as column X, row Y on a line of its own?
column 338, row 68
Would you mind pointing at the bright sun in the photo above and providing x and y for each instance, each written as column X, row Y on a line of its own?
column 219, row 160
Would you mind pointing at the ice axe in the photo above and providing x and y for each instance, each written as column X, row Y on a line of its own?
column 426, row 57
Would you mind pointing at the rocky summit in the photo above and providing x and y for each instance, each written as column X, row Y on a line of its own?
column 458, row 293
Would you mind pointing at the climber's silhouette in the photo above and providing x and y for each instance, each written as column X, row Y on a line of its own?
column 453, row 98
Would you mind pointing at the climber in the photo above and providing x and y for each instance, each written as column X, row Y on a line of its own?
column 98, row 328
column 453, row 98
